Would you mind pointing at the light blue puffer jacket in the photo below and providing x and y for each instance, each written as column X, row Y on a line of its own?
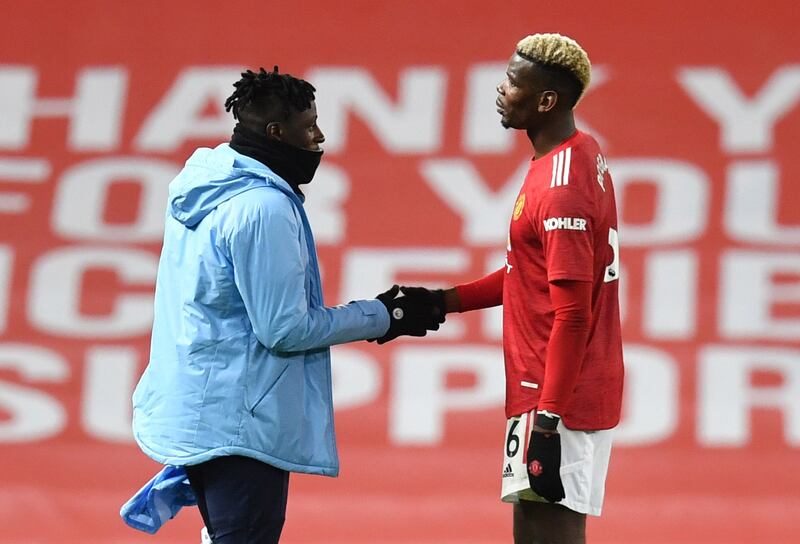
column 239, row 361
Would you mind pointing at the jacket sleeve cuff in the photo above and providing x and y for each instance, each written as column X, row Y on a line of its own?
column 376, row 310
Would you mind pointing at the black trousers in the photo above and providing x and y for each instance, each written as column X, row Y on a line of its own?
column 242, row 501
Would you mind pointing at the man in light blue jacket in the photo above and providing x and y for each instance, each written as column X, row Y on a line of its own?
column 237, row 391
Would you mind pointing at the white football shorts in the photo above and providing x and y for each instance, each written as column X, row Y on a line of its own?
column 584, row 465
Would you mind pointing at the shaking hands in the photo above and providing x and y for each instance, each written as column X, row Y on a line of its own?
column 416, row 312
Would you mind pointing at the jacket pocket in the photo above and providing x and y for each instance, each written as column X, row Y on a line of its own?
column 251, row 407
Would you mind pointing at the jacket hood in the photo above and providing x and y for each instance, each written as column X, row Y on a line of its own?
column 213, row 176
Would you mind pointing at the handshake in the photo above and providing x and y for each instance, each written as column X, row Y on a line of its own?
column 415, row 313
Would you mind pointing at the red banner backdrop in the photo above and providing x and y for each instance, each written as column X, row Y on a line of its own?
column 696, row 105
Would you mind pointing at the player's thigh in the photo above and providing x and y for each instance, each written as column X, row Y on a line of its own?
column 547, row 523
column 245, row 500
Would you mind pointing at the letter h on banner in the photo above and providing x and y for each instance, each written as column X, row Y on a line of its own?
column 95, row 112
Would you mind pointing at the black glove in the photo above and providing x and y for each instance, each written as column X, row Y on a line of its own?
column 434, row 297
column 544, row 459
column 408, row 316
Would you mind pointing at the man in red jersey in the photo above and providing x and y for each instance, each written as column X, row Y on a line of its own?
column 559, row 291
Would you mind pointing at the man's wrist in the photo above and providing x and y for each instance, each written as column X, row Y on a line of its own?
column 546, row 421
column 452, row 302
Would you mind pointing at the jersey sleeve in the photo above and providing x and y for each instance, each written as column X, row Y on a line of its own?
column 483, row 293
column 565, row 221
column 572, row 303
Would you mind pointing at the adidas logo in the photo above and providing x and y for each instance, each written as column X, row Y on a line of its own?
column 507, row 472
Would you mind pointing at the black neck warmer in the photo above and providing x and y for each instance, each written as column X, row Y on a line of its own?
column 294, row 164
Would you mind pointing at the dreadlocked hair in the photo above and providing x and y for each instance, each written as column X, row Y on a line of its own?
column 260, row 90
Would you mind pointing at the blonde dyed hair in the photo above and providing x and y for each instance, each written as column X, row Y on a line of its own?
column 558, row 50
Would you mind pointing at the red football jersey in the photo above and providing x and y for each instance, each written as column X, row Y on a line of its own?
column 564, row 227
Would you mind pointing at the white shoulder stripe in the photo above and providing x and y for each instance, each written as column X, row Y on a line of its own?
column 561, row 164
column 559, row 171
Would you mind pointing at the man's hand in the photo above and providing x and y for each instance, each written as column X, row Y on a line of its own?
column 544, row 458
column 421, row 295
column 409, row 316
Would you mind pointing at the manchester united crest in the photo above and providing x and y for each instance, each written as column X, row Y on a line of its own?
column 518, row 207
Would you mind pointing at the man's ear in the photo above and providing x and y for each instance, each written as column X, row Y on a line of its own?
column 547, row 101
column 274, row 130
